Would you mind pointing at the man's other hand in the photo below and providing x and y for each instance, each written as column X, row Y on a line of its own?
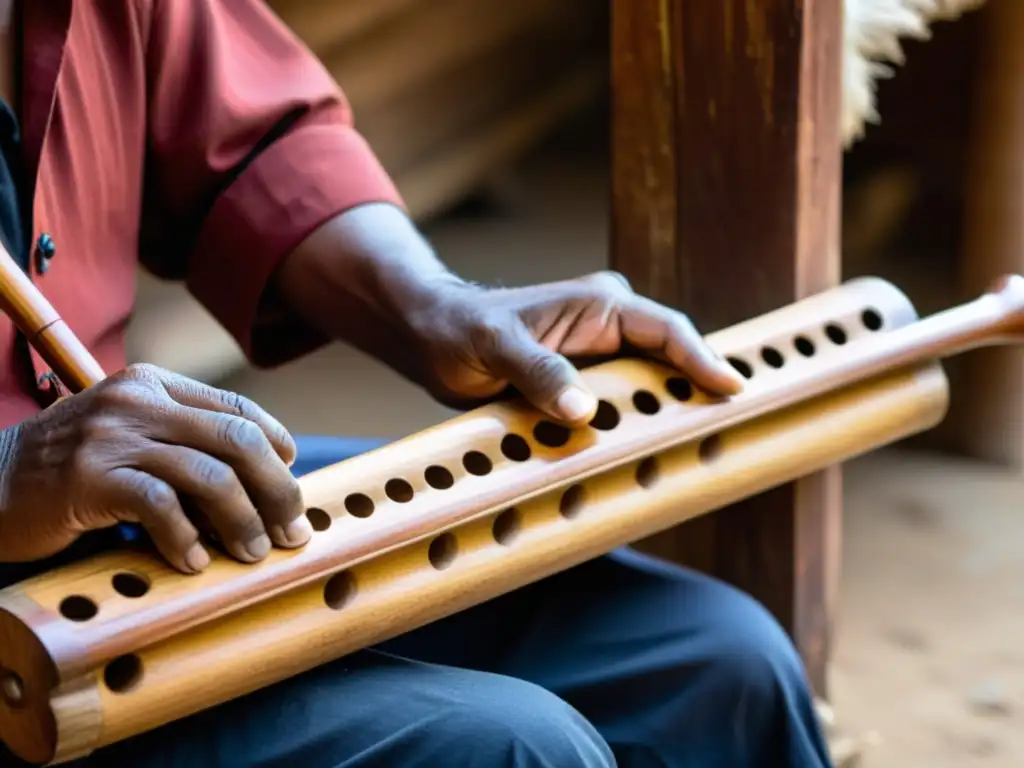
column 143, row 446
column 478, row 340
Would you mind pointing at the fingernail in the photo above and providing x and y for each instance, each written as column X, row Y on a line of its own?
column 197, row 558
column 291, row 452
column 297, row 532
column 737, row 379
column 258, row 547
column 576, row 404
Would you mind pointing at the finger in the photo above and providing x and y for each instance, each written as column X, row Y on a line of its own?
column 241, row 445
column 545, row 378
column 195, row 394
column 670, row 335
column 218, row 493
column 134, row 495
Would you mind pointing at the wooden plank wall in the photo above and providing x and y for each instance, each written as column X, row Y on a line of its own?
column 448, row 91
column 725, row 203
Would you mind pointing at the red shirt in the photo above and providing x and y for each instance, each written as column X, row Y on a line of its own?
column 199, row 136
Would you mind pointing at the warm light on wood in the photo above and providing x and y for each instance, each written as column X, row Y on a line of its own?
column 478, row 506
column 35, row 317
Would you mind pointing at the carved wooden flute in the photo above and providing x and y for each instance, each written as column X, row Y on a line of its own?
column 564, row 457
column 99, row 651
column 34, row 316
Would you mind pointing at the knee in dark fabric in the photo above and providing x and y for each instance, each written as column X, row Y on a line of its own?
column 750, row 656
column 516, row 724
column 721, row 631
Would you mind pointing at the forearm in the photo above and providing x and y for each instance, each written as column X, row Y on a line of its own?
column 360, row 278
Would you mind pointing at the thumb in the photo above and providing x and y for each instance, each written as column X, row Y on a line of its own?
column 545, row 378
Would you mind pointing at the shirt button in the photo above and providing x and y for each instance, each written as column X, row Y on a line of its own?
column 45, row 249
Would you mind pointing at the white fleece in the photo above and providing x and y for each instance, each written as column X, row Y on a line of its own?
column 872, row 33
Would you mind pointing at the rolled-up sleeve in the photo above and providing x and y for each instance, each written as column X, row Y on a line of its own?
column 251, row 148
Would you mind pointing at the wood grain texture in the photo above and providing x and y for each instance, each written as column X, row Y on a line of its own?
column 988, row 411
column 404, row 588
column 475, row 507
column 725, row 203
column 174, row 602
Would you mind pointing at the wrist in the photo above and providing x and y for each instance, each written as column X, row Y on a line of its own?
column 406, row 279
column 367, row 267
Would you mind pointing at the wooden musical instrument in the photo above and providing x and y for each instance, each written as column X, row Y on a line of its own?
column 35, row 317
column 101, row 650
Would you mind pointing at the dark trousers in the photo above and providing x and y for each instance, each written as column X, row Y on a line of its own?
column 623, row 660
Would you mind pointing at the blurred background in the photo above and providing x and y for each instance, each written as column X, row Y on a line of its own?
column 499, row 141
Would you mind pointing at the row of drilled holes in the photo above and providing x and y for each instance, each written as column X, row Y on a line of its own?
column 340, row 588
column 834, row 332
column 442, row 550
column 123, row 673
column 514, row 447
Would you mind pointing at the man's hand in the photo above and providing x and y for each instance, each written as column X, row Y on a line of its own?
column 478, row 341
column 370, row 278
column 131, row 449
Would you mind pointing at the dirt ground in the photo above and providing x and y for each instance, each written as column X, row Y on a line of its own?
column 930, row 647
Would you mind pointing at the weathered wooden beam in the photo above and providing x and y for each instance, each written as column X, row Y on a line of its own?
column 725, row 203
column 988, row 407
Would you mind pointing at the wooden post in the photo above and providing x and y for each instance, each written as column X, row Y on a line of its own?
column 726, row 165
column 988, row 406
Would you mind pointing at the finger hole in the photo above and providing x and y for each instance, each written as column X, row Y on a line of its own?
column 515, row 447
column 319, row 519
column 804, row 346
column 606, row 418
column 78, row 608
column 646, row 402
column 681, row 389
column 438, row 477
column 551, row 435
column 359, row 505
column 741, row 366
column 129, row 584
column 477, row 463
column 399, row 490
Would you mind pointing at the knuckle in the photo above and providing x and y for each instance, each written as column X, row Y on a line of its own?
column 545, row 370
column 126, row 389
column 249, row 527
column 291, row 496
column 141, row 372
column 237, row 404
column 242, row 435
column 215, row 475
column 681, row 327
column 101, row 427
column 487, row 331
column 610, row 281
column 115, row 393
column 157, row 496
column 83, row 464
